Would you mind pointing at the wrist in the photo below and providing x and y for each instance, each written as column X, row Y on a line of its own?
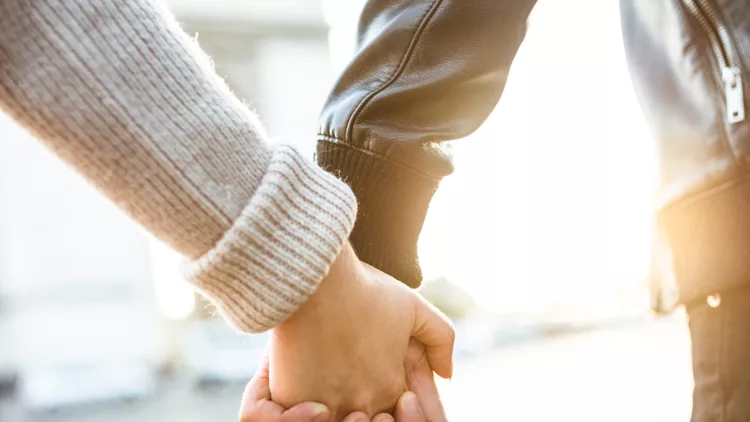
column 332, row 298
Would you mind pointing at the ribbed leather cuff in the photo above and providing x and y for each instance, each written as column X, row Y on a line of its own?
column 276, row 253
column 393, row 202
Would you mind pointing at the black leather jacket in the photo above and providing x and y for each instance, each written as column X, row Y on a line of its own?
column 430, row 71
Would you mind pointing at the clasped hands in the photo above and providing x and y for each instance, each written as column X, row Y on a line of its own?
column 362, row 348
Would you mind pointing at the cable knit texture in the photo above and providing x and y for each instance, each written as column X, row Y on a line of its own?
column 124, row 96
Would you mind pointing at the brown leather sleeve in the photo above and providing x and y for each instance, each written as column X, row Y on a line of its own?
column 425, row 72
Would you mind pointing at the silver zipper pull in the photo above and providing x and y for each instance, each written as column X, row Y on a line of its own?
column 733, row 91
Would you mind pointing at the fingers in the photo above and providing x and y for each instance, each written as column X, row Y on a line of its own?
column 435, row 331
column 256, row 400
column 357, row 417
column 257, row 389
column 268, row 411
column 407, row 409
column 423, row 385
column 421, row 381
column 257, row 405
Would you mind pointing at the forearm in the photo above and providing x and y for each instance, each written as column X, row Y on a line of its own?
column 118, row 91
column 425, row 72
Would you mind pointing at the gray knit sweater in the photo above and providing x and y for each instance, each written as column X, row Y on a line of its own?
column 117, row 90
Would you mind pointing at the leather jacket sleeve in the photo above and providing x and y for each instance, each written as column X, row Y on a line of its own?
column 688, row 64
column 425, row 72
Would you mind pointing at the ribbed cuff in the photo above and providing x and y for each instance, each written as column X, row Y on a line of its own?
column 393, row 202
column 282, row 245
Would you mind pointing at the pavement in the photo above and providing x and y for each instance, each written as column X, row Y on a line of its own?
column 632, row 372
column 638, row 372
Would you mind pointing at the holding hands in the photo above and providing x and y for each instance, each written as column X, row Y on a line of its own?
column 257, row 405
column 360, row 348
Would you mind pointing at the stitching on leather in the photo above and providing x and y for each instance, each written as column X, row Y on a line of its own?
column 340, row 142
column 423, row 21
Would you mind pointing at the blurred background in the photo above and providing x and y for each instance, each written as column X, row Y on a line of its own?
column 537, row 247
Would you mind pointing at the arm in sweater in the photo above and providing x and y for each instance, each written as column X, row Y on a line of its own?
column 117, row 90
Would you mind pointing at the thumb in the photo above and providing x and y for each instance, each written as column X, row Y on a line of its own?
column 407, row 409
column 435, row 331
column 309, row 411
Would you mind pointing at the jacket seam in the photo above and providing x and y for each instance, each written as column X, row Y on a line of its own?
column 704, row 194
column 340, row 142
column 423, row 21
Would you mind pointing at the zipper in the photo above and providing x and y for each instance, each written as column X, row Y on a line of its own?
column 726, row 56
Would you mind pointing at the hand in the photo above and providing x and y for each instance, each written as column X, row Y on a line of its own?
column 346, row 346
column 257, row 406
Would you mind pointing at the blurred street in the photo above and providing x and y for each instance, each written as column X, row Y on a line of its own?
column 632, row 372
column 92, row 310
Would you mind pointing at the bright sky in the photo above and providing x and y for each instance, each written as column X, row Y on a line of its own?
column 553, row 195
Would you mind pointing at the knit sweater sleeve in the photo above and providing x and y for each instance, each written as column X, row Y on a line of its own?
column 118, row 91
